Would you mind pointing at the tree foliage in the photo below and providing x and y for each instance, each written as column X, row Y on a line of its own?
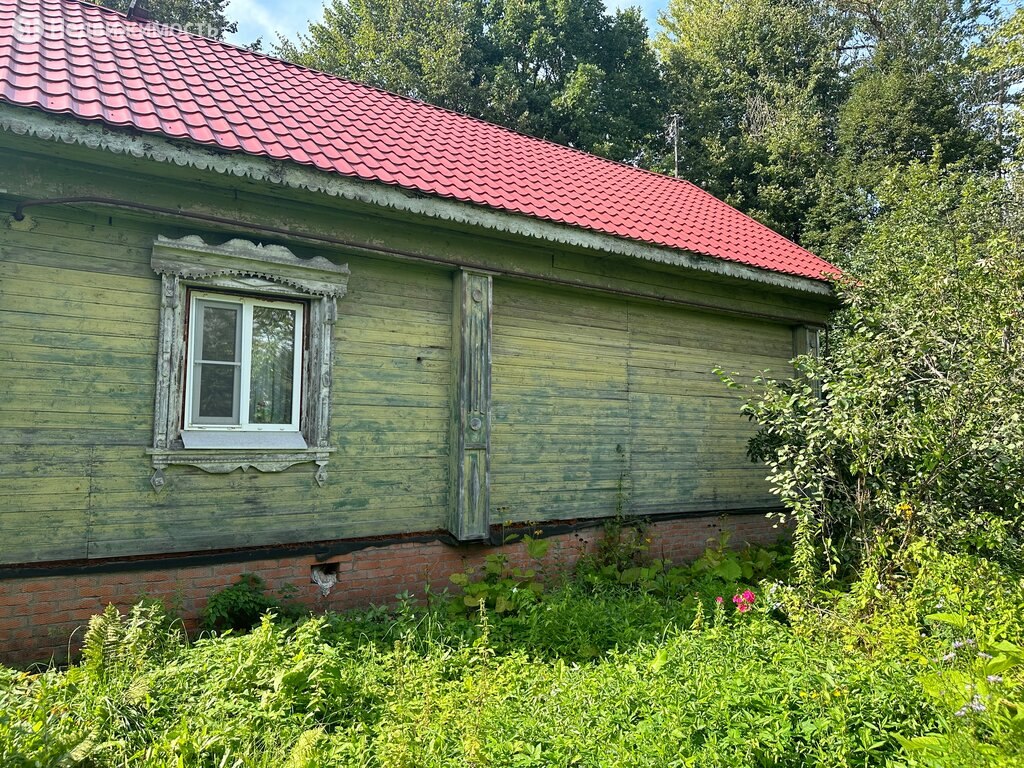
column 563, row 70
column 421, row 48
column 1000, row 59
column 757, row 85
column 201, row 17
column 920, row 432
column 795, row 110
column 916, row 94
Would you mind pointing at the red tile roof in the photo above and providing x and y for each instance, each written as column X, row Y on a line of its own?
column 189, row 87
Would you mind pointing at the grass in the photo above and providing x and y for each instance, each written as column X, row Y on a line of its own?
column 613, row 668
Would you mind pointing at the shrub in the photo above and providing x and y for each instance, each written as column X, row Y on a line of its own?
column 242, row 605
column 920, row 430
column 588, row 675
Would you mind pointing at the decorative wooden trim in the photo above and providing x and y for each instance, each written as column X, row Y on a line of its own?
column 248, row 266
column 224, row 461
column 190, row 258
column 469, row 503
column 23, row 121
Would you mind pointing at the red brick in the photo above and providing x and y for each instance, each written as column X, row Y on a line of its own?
column 37, row 585
column 40, row 615
column 10, row 623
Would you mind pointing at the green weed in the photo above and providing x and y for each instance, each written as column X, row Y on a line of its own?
column 587, row 673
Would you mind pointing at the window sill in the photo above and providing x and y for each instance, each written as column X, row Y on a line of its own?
column 224, row 460
column 237, row 440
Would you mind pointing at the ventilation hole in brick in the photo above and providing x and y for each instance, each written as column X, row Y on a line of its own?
column 324, row 576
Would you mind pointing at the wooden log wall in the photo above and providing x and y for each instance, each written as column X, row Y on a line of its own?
column 599, row 403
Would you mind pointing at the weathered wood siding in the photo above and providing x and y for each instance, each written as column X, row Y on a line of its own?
column 78, row 309
column 602, row 404
column 688, row 449
column 599, row 402
column 560, row 435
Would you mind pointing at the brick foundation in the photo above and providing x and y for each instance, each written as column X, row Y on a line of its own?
column 43, row 617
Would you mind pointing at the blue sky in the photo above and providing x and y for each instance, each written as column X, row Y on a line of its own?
column 265, row 18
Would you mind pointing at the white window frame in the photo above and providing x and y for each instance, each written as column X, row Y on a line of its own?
column 246, row 304
column 266, row 273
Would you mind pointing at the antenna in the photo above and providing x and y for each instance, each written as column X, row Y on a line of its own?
column 675, row 117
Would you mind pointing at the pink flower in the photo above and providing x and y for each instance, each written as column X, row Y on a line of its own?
column 719, row 599
column 745, row 601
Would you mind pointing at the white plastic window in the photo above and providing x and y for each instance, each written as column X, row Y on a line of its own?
column 244, row 364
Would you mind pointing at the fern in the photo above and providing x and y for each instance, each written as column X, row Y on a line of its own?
column 115, row 643
column 102, row 639
column 306, row 752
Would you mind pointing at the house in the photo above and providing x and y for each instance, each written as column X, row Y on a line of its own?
column 254, row 318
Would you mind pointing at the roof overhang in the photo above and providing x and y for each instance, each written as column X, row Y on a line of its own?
column 35, row 123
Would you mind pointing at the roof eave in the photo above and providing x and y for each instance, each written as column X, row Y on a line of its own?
column 27, row 121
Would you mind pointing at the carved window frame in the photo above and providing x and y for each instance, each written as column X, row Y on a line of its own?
column 248, row 267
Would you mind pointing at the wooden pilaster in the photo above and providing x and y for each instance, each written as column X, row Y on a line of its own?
column 469, row 502
column 807, row 340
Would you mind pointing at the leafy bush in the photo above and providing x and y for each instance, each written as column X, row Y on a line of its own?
column 720, row 569
column 588, row 674
column 624, row 542
column 920, row 432
column 500, row 587
column 242, row 605
column 983, row 686
column 734, row 694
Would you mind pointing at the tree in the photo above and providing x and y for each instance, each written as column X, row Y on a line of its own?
column 563, row 70
column 567, row 71
column 1001, row 59
column 426, row 49
column 916, row 94
column 201, row 17
column 795, row 110
column 919, row 433
column 757, row 85
column 933, row 35
column 896, row 115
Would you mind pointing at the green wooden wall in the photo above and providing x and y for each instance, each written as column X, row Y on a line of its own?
column 78, row 313
column 688, row 449
column 598, row 401
column 603, row 404
column 560, row 434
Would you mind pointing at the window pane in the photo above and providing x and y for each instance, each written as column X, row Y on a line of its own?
column 217, row 392
column 273, row 365
column 220, row 333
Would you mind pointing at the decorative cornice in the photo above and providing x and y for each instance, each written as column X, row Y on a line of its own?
column 190, row 258
column 95, row 135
